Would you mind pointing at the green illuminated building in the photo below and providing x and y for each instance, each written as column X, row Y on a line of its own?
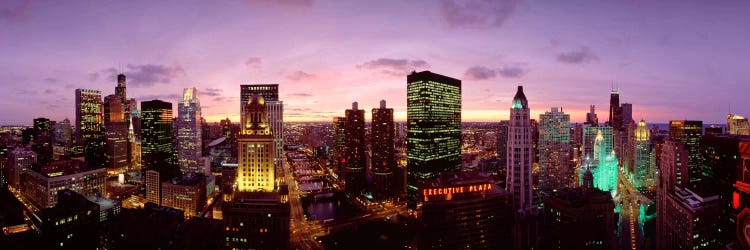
column 600, row 158
column 433, row 128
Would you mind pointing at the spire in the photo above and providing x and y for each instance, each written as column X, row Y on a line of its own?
column 519, row 100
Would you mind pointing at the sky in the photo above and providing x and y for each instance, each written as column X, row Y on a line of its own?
column 671, row 59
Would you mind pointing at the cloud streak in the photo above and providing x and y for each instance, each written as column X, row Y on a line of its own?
column 479, row 73
column 145, row 75
column 300, row 76
column 396, row 67
column 254, row 62
column 578, row 56
column 477, row 13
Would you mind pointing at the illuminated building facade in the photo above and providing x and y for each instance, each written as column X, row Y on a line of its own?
column 689, row 220
column 741, row 196
column 256, row 221
column 737, row 125
column 187, row 194
column 19, row 161
column 153, row 186
column 354, row 150
column 339, row 144
column 580, row 218
column 189, row 132
column 465, row 211
column 270, row 93
column 89, row 117
column 689, row 133
column 433, row 129
column 383, row 157
column 116, row 134
column 554, row 151
column 41, row 188
column 644, row 175
column 599, row 157
column 157, row 144
column 63, row 132
column 256, row 149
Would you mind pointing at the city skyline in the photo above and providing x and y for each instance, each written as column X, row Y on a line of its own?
column 663, row 69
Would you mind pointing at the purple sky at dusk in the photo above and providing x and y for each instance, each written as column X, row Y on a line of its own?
column 671, row 59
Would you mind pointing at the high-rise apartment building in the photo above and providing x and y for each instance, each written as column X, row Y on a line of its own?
column 689, row 133
column 339, row 144
column 554, row 151
column 255, row 171
column 189, row 132
column 354, row 150
column 89, row 117
column 383, row 157
column 157, row 144
column 275, row 106
column 433, row 129
column 519, row 180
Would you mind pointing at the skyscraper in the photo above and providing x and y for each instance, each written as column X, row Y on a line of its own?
column 157, row 145
column 599, row 157
column 643, row 177
column 627, row 114
column 255, row 216
column 255, row 171
column 339, row 144
column 116, row 133
column 383, row 158
column 519, row 180
column 615, row 111
column 63, row 132
column 737, row 125
column 591, row 118
column 89, row 117
column 689, row 133
column 189, row 132
column 433, row 129
column 354, row 150
column 270, row 93
column 554, row 151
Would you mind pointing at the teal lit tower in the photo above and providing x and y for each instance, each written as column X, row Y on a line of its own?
column 433, row 129
column 599, row 157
